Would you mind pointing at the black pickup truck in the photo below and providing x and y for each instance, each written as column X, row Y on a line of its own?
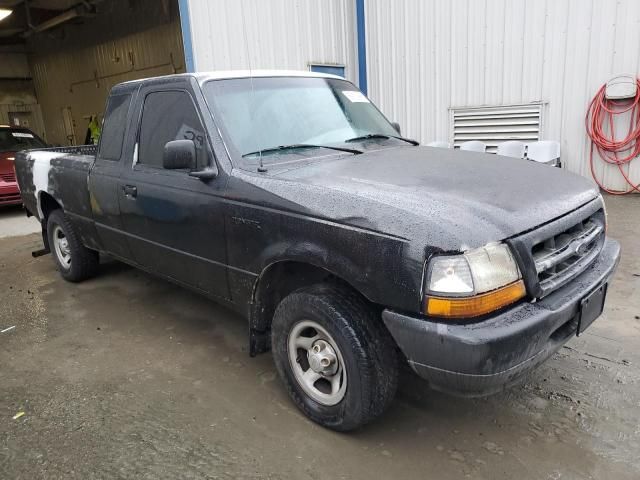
column 290, row 198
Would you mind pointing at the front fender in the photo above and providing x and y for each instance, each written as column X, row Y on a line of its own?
column 384, row 269
column 317, row 256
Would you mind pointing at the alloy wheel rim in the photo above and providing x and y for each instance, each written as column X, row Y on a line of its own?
column 317, row 363
column 61, row 247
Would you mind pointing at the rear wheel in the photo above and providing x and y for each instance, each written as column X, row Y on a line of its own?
column 335, row 357
column 74, row 261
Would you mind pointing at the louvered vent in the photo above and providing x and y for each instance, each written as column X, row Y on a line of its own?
column 494, row 125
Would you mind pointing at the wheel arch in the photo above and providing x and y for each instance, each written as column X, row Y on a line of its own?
column 277, row 280
column 46, row 204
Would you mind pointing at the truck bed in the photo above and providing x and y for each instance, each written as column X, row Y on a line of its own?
column 39, row 172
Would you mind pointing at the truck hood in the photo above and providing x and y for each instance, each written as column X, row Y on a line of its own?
column 447, row 198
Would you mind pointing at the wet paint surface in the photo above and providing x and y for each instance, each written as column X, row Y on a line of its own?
column 127, row 376
column 371, row 219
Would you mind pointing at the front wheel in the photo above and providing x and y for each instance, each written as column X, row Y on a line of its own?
column 74, row 261
column 334, row 356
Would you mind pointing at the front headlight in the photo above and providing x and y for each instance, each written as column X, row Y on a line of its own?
column 606, row 216
column 474, row 283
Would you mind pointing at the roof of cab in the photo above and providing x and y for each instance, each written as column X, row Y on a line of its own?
column 202, row 77
column 224, row 74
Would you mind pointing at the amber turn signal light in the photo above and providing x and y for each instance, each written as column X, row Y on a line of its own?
column 465, row 307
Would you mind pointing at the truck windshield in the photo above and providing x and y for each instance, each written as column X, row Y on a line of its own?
column 290, row 111
column 16, row 139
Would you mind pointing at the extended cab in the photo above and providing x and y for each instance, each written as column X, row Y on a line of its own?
column 289, row 197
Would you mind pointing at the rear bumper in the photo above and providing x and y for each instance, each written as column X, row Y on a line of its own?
column 9, row 194
column 485, row 357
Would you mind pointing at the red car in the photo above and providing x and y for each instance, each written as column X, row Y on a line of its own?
column 12, row 140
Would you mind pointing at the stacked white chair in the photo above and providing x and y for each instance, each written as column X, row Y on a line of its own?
column 512, row 148
column 439, row 144
column 544, row 151
column 474, row 146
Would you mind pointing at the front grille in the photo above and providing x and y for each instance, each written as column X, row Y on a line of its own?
column 563, row 256
column 8, row 177
column 554, row 253
column 9, row 198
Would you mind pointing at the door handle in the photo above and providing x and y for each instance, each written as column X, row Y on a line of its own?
column 130, row 191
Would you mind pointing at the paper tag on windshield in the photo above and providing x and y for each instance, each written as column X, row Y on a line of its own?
column 21, row 135
column 355, row 96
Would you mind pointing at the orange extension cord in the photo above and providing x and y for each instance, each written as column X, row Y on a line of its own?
column 602, row 111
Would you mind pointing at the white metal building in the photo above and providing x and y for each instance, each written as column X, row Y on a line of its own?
column 448, row 70
column 425, row 63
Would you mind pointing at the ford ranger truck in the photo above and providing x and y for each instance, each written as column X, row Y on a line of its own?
column 290, row 198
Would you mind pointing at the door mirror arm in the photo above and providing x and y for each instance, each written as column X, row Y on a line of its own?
column 206, row 174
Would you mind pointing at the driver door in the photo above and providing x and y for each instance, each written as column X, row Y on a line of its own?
column 174, row 222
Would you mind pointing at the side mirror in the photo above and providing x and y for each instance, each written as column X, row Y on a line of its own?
column 396, row 126
column 179, row 154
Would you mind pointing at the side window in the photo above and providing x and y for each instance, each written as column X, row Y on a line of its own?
column 115, row 119
column 168, row 116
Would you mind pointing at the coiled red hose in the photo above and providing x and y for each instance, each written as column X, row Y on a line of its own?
column 602, row 112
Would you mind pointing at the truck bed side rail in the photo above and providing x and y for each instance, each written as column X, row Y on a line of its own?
column 72, row 149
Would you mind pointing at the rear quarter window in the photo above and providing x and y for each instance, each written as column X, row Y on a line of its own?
column 115, row 119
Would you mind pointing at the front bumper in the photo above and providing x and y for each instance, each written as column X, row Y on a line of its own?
column 485, row 357
column 9, row 194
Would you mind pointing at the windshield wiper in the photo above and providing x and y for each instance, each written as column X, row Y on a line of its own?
column 295, row 146
column 383, row 136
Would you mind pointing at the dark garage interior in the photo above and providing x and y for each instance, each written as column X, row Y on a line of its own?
column 59, row 58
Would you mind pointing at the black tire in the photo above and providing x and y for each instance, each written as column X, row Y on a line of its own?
column 84, row 262
column 369, row 354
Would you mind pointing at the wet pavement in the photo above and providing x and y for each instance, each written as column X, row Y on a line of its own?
column 14, row 222
column 128, row 376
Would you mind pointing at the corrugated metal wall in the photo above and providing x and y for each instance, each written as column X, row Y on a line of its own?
column 17, row 94
column 14, row 64
column 426, row 56
column 280, row 34
column 74, row 74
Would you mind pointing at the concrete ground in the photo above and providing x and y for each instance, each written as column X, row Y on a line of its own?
column 127, row 376
column 13, row 222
